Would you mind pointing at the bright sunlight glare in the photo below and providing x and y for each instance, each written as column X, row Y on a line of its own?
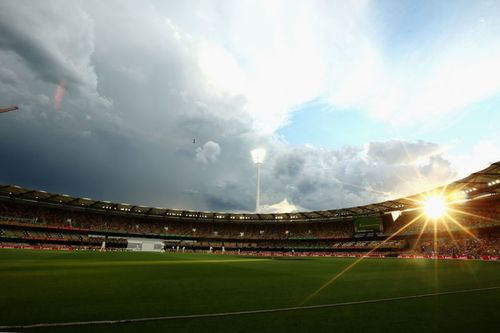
column 435, row 206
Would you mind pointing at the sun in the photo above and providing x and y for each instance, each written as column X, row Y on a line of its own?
column 435, row 206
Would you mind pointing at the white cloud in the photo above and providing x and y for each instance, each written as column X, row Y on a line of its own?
column 323, row 179
column 400, row 151
column 276, row 64
column 208, row 153
column 280, row 207
column 445, row 72
column 304, row 50
column 221, row 69
column 483, row 153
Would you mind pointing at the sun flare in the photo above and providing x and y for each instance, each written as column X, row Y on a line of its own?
column 435, row 207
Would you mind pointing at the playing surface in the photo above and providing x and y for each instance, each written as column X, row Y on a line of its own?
column 57, row 286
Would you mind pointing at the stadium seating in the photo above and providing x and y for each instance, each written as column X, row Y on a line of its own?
column 28, row 223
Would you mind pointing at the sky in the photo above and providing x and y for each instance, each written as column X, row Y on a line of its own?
column 159, row 103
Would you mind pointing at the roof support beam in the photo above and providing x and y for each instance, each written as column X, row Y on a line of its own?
column 24, row 194
column 51, row 197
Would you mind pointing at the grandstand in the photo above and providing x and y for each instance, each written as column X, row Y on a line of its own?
column 33, row 218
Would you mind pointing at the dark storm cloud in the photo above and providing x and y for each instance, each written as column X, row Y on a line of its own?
column 140, row 151
column 54, row 39
column 220, row 203
column 289, row 165
column 35, row 55
column 136, row 101
column 307, row 186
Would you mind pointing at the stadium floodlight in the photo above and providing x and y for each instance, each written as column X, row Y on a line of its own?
column 435, row 206
column 258, row 156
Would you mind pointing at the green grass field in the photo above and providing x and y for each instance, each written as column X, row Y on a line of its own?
column 57, row 286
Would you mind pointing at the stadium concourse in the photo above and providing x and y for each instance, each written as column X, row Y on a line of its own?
column 470, row 228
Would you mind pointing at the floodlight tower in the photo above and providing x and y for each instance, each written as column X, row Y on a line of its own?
column 258, row 156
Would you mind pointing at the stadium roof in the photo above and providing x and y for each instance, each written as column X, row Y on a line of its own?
column 481, row 183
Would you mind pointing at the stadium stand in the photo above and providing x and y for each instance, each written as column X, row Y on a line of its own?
column 39, row 218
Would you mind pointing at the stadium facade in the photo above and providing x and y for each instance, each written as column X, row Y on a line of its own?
column 38, row 219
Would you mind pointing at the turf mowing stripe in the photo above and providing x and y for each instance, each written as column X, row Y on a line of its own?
column 135, row 262
column 248, row 312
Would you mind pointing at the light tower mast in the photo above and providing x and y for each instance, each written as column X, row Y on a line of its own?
column 258, row 156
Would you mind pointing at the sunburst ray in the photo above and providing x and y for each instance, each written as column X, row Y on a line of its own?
column 334, row 278
column 467, row 231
